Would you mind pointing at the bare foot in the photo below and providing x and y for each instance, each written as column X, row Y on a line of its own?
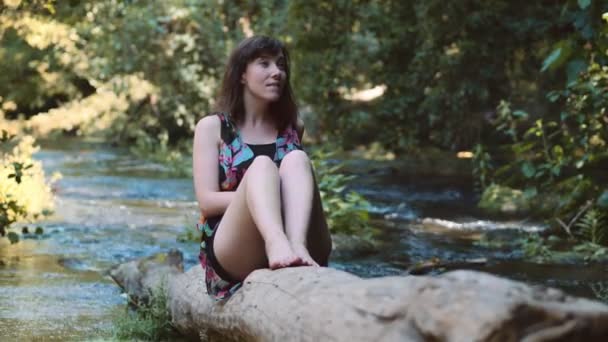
column 281, row 255
column 301, row 251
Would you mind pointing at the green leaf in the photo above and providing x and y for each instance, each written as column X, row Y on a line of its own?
column 13, row 237
column 602, row 201
column 558, row 151
column 530, row 192
column 520, row 114
column 584, row 3
column 539, row 174
column 528, row 169
column 551, row 59
column 573, row 69
column 523, row 147
column 6, row 136
column 553, row 96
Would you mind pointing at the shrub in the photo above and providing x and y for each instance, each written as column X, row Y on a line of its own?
column 25, row 194
column 346, row 211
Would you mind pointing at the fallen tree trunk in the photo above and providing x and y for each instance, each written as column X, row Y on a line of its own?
column 323, row 304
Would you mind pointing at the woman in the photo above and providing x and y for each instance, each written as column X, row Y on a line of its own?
column 270, row 215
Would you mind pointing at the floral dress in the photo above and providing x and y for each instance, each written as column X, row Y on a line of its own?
column 234, row 158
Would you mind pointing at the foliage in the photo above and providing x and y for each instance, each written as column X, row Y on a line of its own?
column 497, row 199
column 543, row 248
column 557, row 157
column 42, row 61
column 593, row 227
column 600, row 290
column 189, row 234
column 346, row 212
column 166, row 44
column 25, row 194
column 443, row 68
column 54, row 74
column 150, row 322
column 482, row 168
column 438, row 66
column 144, row 73
column 591, row 251
column 535, row 247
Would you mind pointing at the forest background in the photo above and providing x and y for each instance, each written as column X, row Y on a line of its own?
column 520, row 85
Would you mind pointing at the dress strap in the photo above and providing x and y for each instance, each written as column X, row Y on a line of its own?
column 228, row 131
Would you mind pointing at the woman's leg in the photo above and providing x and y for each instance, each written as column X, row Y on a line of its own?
column 305, row 222
column 319, row 238
column 251, row 235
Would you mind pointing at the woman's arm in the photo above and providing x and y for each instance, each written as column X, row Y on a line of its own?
column 205, row 170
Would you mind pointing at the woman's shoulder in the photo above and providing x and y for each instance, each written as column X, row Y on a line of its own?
column 217, row 124
column 210, row 126
column 211, row 122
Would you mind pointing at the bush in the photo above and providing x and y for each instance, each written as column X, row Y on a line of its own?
column 498, row 199
column 347, row 212
column 438, row 64
column 25, row 194
column 559, row 158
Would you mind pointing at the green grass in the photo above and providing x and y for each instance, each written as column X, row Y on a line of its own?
column 150, row 321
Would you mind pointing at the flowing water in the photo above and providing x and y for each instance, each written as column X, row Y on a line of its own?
column 111, row 208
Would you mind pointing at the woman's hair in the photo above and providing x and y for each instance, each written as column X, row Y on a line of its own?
column 284, row 111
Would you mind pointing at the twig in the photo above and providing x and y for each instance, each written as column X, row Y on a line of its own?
column 567, row 228
column 583, row 209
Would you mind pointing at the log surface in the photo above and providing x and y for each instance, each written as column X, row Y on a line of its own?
column 324, row 304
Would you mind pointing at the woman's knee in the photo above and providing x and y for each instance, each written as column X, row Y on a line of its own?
column 262, row 164
column 294, row 159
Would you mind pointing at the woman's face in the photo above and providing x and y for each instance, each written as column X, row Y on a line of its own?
column 264, row 77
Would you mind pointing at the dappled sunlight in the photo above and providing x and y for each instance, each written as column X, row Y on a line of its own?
column 32, row 192
column 246, row 26
column 41, row 34
column 373, row 151
column 95, row 113
column 464, row 155
column 363, row 95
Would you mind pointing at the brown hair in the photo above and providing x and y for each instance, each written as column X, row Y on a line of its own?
column 284, row 111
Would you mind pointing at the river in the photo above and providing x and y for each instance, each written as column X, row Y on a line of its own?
column 111, row 208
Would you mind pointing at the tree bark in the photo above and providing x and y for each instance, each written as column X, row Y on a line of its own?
column 324, row 304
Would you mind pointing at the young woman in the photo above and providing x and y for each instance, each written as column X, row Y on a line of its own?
column 256, row 190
